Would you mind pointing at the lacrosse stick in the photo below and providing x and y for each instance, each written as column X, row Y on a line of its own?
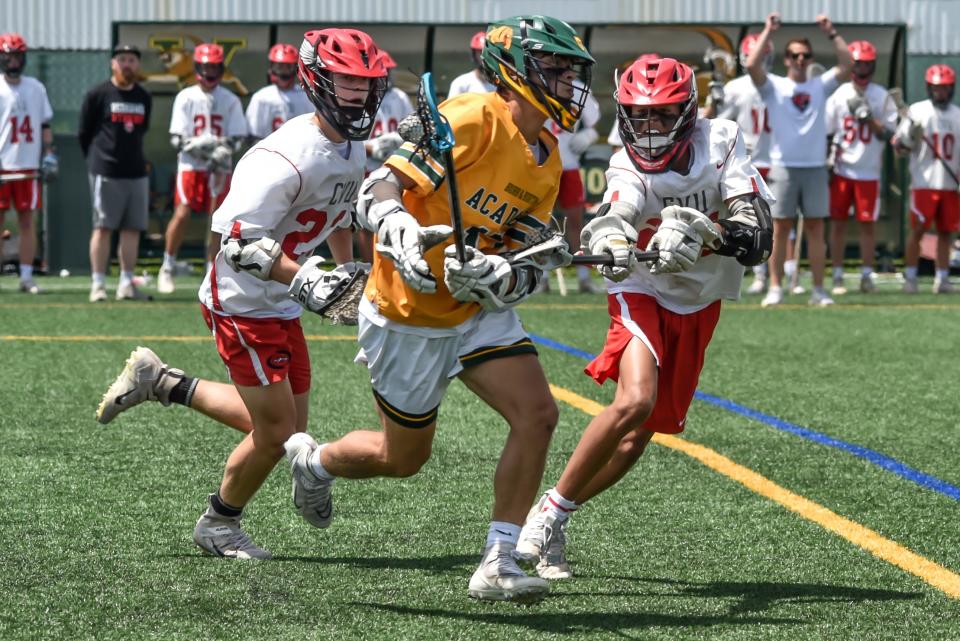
column 430, row 131
column 561, row 282
column 896, row 94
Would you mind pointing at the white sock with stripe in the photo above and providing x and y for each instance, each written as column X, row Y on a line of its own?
column 503, row 532
column 558, row 506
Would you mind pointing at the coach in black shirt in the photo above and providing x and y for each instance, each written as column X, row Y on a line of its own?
column 113, row 120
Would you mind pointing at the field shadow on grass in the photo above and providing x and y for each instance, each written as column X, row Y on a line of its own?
column 577, row 623
column 759, row 596
column 435, row 564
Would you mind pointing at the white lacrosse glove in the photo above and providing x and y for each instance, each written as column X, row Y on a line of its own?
column 200, row 146
column 859, row 107
column 401, row 239
column 715, row 95
column 334, row 293
column 254, row 257
column 49, row 167
column 680, row 238
column 480, row 280
column 382, row 146
column 222, row 156
column 611, row 234
column 581, row 141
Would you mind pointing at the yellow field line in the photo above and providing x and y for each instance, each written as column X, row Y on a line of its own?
column 882, row 548
column 146, row 339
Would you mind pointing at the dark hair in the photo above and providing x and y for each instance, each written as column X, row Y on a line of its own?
column 797, row 41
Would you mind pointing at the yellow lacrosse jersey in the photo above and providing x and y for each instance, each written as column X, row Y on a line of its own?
column 506, row 197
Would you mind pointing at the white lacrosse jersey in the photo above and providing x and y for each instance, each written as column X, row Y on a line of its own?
column 589, row 118
column 720, row 169
column 941, row 130
column 859, row 153
column 24, row 108
column 613, row 139
column 743, row 105
column 197, row 112
column 295, row 187
column 272, row 106
column 797, row 116
column 395, row 107
column 468, row 83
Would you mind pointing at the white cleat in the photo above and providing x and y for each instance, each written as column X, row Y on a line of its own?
column 165, row 281
column 222, row 536
column 312, row 496
column 838, row 288
column 144, row 378
column 27, row 286
column 129, row 291
column 543, row 541
column 553, row 563
column 798, row 290
column 910, row 286
column 531, row 536
column 867, row 284
column 942, row 286
column 757, row 286
column 819, row 298
column 499, row 578
column 98, row 293
column 774, row 297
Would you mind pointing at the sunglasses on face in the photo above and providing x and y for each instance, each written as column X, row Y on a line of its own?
column 796, row 55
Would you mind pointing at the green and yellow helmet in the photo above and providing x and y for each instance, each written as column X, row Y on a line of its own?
column 514, row 54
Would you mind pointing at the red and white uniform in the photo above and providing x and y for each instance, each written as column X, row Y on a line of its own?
column 743, row 105
column 294, row 186
column 933, row 193
column 720, row 170
column 272, row 106
column 468, row 83
column 197, row 112
column 572, row 193
column 395, row 107
column 858, row 153
column 24, row 108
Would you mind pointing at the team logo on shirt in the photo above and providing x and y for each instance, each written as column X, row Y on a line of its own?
column 130, row 114
column 801, row 100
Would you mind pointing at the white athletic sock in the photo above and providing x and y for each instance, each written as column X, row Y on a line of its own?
column 910, row 273
column 583, row 273
column 760, row 271
column 838, row 273
column 26, row 271
column 558, row 506
column 126, row 278
column 503, row 532
column 169, row 260
column 317, row 467
column 943, row 274
column 866, row 271
column 789, row 267
column 99, row 279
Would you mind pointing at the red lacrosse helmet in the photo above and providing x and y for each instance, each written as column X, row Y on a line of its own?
column 13, row 54
column 649, row 85
column 476, row 48
column 748, row 44
column 940, row 76
column 328, row 52
column 388, row 60
column 283, row 65
column 864, row 56
column 208, row 64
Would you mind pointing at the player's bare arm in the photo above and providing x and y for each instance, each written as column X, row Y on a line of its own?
column 755, row 68
column 844, row 59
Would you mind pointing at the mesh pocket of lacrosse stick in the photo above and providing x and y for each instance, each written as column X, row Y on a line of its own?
column 342, row 305
column 426, row 127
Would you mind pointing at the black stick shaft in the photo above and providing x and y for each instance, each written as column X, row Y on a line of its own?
column 607, row 259
column 455, row 219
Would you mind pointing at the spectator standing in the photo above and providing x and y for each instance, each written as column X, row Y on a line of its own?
column 25, row 137
column 929, row 134
column 474, row 81
column 114, row 118
column 796, row 109
column 282, row 99
column 861, row 117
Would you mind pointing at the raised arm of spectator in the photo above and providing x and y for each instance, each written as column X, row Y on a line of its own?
column 755, row 60
column 844, row 59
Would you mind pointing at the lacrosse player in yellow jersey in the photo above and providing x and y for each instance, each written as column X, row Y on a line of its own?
column 428, row 317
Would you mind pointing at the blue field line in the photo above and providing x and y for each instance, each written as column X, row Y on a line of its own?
column 881, row 460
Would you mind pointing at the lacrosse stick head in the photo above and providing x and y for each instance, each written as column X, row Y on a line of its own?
column 342, row 304
column 426, row 128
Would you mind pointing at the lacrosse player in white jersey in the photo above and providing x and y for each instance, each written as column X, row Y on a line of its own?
column 26, row 148
column 571, row 201
column 861, row 118
column 207, row 126
column 475, row 80
column 282, row 99
column 742, row 104
column 929, row 134
column 684, row 186
column 294, row 190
